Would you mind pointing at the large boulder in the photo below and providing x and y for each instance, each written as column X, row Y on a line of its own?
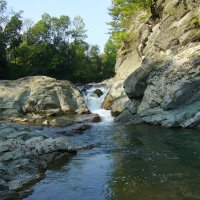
column 166, row 86
column 39, row 95
column 116, row 98
column 135, row 84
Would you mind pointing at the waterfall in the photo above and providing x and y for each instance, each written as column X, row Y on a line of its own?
column 94, row 102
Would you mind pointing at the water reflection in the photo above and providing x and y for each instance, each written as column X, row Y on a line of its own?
column 159, row 164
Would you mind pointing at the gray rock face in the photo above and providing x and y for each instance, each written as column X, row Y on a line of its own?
column 24, row 157
column 39, row 95
column 116, row 98
column 136, row 84
column 166, row 84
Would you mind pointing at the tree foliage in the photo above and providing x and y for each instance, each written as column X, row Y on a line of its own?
column 123, row 12
column 13, row 36
column 53, row 46
column 110, row 54
column 3, row 60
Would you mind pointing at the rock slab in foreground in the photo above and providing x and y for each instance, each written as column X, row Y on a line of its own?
column 24, row 157
column 39, row 95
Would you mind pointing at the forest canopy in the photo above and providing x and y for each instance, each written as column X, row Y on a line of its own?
column 53, row 46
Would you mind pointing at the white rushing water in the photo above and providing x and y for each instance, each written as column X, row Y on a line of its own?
column 94, row 103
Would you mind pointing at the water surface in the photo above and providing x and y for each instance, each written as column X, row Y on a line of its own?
column 131, row 162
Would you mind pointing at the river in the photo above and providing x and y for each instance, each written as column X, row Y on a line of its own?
column 135, row 162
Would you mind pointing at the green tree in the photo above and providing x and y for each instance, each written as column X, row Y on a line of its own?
column 13, row 35
column 109, row 57
column 3, row 16
column 60, row 29
column 3, row 60
column 40, row 32
column 96, row 65
column 27, row 24
column 79, row 31
column 54, row 46
column 122, row 13
column 45, row 49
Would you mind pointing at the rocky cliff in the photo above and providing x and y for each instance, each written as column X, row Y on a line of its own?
column 125, row 65
column 164, row 87
column 39, row 95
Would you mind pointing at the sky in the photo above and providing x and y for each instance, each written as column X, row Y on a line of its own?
column 93, row 12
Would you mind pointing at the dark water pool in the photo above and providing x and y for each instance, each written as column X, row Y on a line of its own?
column 128, row 163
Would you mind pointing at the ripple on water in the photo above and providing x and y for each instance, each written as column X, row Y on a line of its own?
column 143, row 162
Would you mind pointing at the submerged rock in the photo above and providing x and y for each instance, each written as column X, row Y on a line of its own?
column 83, row 127
column 60, row 122
column 98, row 92
column 9, row 195
column 95, row 118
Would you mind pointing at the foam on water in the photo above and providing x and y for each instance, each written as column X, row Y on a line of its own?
column 94, row 103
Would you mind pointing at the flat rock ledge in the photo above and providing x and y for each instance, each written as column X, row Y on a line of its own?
column 24, row 157
column 57, row 121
